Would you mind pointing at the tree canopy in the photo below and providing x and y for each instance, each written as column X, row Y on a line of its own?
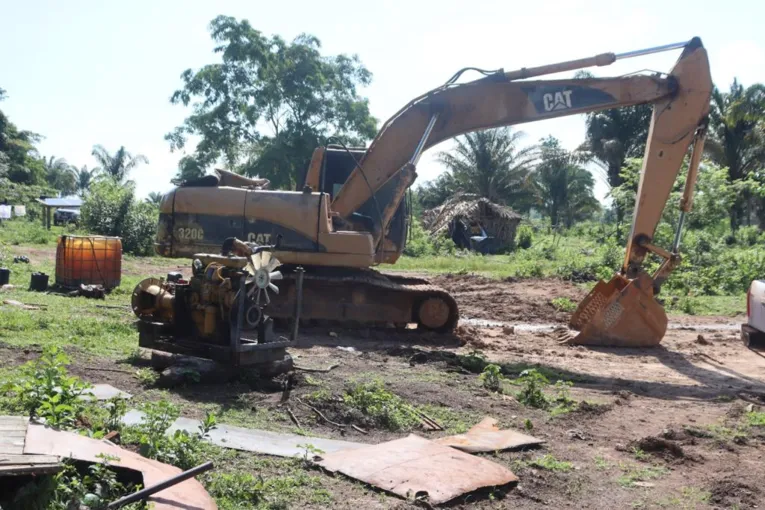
column 117, row 165
column 269, row 103
column 563, row 189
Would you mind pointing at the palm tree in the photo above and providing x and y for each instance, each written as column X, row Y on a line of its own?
column 82, row 177
column 737, row 136
column 117, row 165
column 58, row 176
column 563, row 188
column 154, row 198
column 490, row 164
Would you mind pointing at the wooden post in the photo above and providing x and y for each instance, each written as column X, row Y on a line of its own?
column 47, row 216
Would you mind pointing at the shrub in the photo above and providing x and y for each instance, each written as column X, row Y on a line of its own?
column 531, row 393
column 110, row 209
column 524, row 236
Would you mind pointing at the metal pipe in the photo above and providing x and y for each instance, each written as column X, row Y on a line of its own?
column 648, row 51
column 420, row 146
column 298, row 301
column 603, row 59
column 148, row 491
column 676, row 242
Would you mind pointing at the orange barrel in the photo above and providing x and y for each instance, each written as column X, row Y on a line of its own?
column 89, row 260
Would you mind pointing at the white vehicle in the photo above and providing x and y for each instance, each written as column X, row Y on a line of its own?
column 753, row 332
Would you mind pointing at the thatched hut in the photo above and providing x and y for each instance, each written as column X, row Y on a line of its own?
column 474, row 223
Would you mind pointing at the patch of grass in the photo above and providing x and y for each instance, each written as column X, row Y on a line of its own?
column 602, row 464
column 689, row 498
column 454, row 421
column 247, row 482
column 633, row 473
column 755, row 418
column 387, row 409
column 147, row 376
column 721, row 434
column 564, row 304
column 550, row 463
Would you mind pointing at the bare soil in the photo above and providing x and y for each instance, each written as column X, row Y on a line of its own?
column 650, row 431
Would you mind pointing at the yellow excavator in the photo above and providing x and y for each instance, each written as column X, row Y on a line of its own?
column 350, row 212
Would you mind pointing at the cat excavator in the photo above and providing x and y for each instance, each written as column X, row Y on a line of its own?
column 350, row 211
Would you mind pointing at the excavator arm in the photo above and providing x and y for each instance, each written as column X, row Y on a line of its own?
column 623, row 311
column 680, row 99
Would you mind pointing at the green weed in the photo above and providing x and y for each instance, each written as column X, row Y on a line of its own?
column 564, row 304
column 632, row 474
column 492, row 379
column 386, row 409
column 550, row 463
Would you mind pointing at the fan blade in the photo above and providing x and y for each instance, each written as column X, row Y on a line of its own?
column 251, row 291
column 249, row 268
column 276, row 275
column 257, row 297
column 255, row 260
column 265, row 257
column 273, row 288
column 268, row 299
column 272, row 264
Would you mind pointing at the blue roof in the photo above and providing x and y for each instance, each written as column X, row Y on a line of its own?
column 61, row 202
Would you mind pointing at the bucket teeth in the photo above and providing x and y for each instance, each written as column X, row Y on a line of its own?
column 564, row 335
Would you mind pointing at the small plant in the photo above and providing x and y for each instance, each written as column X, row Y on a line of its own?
column 639, row 454
column 564, row 304
column 147, row 376
column 492, row 379
column 95, row 490
column 550, row 463
column 385, row 408
column 44, row 389
column 528, row 425
column 310, row 450
column 181, row 449
column 531, row 393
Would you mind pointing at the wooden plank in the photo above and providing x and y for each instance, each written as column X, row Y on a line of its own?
column 11, row 449
column 13, row 433
column 12, row 440
column 28, row 459
column 38, row 469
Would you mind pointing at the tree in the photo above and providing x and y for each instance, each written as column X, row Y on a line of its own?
column 59, row 176
column 269, row 103
column 563, row 189
column 737, row 138
column 188, row 169
column 154, row 198
column 19, row 161
column 117, row 165
column 83, row 177
column 490, row 164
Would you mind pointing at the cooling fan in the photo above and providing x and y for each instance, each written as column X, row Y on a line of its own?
column 262, row 275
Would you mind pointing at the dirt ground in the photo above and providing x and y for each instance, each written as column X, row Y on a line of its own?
column 687, row 397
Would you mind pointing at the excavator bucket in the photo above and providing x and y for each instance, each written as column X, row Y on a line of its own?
column 620, row 313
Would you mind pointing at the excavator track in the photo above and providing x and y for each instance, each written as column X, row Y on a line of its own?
column 365, row 298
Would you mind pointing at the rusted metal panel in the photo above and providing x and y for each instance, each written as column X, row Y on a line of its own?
column 415, row 467
column 187, row 495
column 487, row 437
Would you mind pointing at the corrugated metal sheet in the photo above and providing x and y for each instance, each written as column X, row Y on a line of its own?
column 61, row 202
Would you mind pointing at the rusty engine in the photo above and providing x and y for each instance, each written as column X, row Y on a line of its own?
column 217, row 313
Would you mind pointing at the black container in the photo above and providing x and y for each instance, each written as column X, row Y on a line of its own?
column 5, row 275
column 39, row 282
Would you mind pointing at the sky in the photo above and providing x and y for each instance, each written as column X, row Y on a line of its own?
column 82, row 73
